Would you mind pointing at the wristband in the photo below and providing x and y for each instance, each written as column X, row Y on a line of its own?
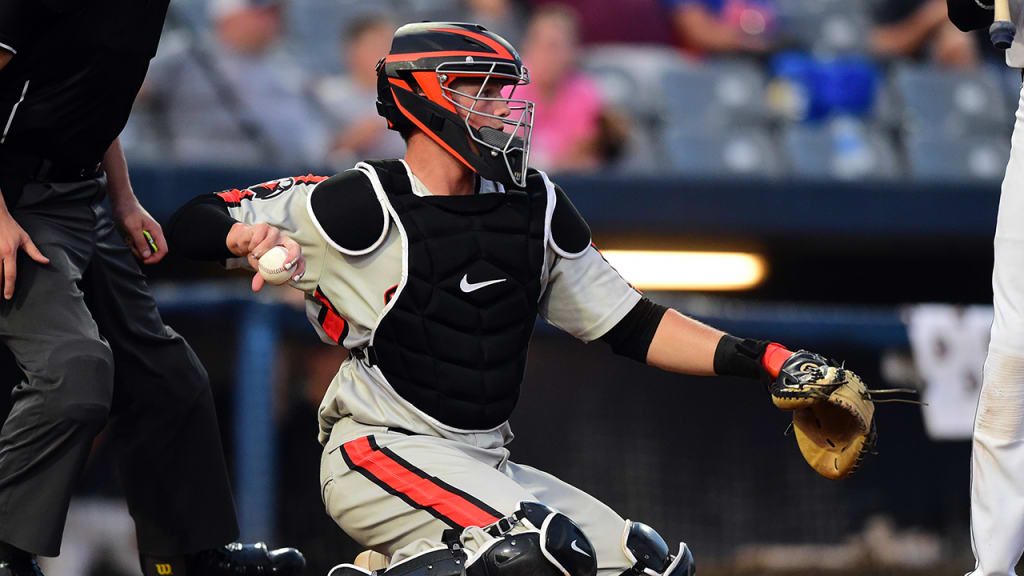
column 775, row 355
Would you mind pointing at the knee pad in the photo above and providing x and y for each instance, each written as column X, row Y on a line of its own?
column 534, row 541
column 650, row 554
column 548, row 544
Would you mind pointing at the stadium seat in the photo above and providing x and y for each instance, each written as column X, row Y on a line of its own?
column 630, row 77
column 715, row 96
column 824, row 27
column 736, row 152
column 944, row 104
column 843, row 148
column 968, row 158
column 315, row 28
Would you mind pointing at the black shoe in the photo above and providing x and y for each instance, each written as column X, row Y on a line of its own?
column 25, row 566
column 237, row 559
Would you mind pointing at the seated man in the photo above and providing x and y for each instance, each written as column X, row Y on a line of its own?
column 432, row 269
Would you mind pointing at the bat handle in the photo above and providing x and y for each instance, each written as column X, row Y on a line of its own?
column 1002, row 30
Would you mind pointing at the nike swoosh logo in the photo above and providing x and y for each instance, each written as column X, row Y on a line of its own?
column 575, row 547
column 467, row 286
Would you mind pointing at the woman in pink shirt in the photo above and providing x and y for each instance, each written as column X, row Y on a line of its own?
column 566, row 129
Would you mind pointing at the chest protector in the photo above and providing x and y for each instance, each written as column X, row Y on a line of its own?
column 454, row 339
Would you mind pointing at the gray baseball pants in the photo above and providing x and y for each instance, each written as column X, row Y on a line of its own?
column 86, row 333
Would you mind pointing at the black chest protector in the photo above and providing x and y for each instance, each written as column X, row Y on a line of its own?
column 455, row 339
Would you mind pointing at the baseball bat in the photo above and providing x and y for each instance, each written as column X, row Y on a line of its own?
column 1002, row 30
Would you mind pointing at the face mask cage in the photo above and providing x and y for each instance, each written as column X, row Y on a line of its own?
column 512, row 141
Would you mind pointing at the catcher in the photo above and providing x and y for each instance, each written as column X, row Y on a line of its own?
column 432, row 269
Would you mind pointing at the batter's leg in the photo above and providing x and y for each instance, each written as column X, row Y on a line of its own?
column 165, row 427
column 997, row 460
column 69, row 372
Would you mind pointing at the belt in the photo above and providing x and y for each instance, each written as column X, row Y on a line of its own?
column 366, row 354
column 39, row 169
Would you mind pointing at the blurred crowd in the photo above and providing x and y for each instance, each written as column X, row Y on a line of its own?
column 814, row 88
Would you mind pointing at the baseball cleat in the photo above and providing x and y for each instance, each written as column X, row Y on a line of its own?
column 238, row 559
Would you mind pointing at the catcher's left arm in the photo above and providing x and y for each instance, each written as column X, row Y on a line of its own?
column 833, row 411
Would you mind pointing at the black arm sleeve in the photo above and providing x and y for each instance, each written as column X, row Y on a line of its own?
column 199, row 229
column 735, row 357
column 632, row 336
column 970, row 15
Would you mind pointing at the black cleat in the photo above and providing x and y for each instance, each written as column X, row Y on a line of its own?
column 20, row 567
column 238, row 559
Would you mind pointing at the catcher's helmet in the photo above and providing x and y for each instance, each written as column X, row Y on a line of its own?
column 414, row 91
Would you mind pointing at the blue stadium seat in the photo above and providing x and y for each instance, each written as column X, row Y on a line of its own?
column 967, row 158
column 944, row 104
column 843, row 148
column 715, row 96
column 736, row 152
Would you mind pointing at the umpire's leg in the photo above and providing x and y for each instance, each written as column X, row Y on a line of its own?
column 164, row 423
column 69, row 369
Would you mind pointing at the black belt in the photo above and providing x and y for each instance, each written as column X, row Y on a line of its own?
column 366, row 354
column 38, row 169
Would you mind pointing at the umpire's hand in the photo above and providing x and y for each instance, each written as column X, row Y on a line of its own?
column 253, row 240
column 12, row 239
column 134, row 221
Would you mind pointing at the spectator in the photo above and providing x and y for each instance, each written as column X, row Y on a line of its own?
column 919, row 29
column 568, row 119
column 503, row 17
column 236, row 99
column 359, row 133
column 723, row 26
column 600, row 21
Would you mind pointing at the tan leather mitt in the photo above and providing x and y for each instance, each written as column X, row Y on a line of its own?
column 833, row 415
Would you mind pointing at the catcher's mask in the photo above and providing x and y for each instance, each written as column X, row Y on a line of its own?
column 414, row 90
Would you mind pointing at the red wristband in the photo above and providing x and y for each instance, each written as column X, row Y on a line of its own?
column 775, row 355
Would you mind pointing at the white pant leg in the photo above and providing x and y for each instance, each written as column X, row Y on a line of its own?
column 997, row 461
column 602, row 525
column 396, row 493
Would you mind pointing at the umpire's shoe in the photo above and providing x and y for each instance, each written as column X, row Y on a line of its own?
column 245, row 560
column 21, row 566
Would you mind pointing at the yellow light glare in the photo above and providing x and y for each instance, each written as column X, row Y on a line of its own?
column 675, row 270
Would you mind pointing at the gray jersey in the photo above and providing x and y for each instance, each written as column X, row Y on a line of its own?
column 346, row 297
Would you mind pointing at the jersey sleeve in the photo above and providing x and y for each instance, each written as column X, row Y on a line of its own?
column 585, row 296
column 282, row 204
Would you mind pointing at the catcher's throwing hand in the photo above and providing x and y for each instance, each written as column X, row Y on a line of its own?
column 833, row 414
column 253, row 241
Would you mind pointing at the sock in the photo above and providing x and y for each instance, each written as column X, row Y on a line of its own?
column 162, row 565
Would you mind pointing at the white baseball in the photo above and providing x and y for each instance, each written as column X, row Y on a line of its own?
column 272, row 265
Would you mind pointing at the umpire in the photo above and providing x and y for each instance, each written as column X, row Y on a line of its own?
column 76, row 305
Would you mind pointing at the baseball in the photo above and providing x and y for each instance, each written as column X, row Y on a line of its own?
column 272, row 265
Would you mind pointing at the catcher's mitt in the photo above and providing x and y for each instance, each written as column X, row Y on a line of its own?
column 833, row 414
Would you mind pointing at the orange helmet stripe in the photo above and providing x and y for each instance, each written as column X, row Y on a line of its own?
column 498, row 48
column 432, row 89
column 400, row 83
column 439, row 54
column 428, row 132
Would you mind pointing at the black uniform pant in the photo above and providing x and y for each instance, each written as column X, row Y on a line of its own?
column 87, row 334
